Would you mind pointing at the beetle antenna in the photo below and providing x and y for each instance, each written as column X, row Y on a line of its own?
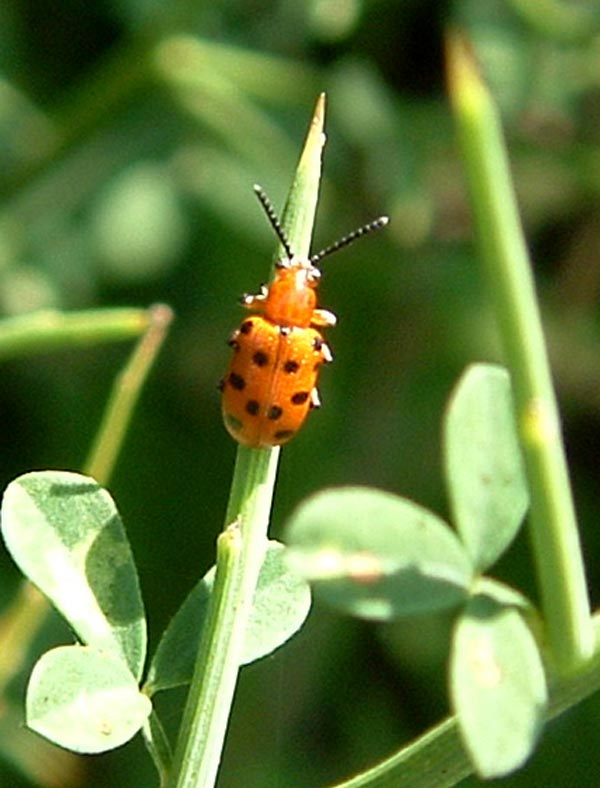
column 377, row 224
column 273, row 219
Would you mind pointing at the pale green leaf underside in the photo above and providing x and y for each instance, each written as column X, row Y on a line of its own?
column 376, row 555
column 84, row 700
column 497, row 685
column 64, row 532
column 281, row 605
column 484, row 470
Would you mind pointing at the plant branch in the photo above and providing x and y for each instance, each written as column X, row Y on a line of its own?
column 553, row 525
column 242, row 544
column 437, row 758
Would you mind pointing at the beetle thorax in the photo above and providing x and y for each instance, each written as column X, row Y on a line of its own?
column 291, row 299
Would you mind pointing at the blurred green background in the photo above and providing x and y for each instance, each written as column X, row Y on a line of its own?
column 131, row 132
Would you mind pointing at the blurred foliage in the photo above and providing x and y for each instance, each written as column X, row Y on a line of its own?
column 131, row 132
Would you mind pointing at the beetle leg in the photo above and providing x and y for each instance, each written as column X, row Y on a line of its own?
column 251, row 300
column 323, row 317
column 323, row 348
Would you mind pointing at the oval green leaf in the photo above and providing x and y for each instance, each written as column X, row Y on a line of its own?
column 65, row 534
column 281, row 605
column 484, row 470
column 376, row 555
column 497, row 686
column 84, row 700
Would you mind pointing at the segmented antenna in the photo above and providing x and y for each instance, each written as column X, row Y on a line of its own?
column 273, row 219
column 377, row 224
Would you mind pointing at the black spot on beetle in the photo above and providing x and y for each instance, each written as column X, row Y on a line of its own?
column 283, row 435
column 299, row 398
column 237, row 381
column 252, row 407
column 260, row 358
column 291, row 366
column 246, row 327
column 233, row 423
column 274, row 412
column 318, row 343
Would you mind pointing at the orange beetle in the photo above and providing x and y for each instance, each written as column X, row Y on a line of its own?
column 278, row 351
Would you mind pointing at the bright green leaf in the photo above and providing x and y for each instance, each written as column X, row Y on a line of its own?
column 64, row 532
column 281, row 604
column 497, row 685
column 484, row 471
column 84, row 700
column 376, row 555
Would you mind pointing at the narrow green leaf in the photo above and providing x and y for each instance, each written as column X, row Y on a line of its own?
column 84, row 700
column 281, row 605
column 64, row 532
column 497, row 685
column 484, row 471
column 376, row 555
column 301, row 205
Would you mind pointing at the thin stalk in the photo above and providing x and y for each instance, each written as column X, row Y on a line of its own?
column 19, row 624
column 158, row 746
column 553, row 525
column 23, row 618
column 240, row 552
column 437, row 759
column 47, row 330
column 242, row 544
column 125, row 394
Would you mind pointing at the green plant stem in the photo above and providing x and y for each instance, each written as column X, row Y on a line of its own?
column 50, row 330
column 553, row 525
column 158, row 746
column 559, row 20
column 19, row 624
column 125, row 394
column 242, row 544
column 44, row 331
column 40, row 332
column 437, row 758
column 240, row 551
